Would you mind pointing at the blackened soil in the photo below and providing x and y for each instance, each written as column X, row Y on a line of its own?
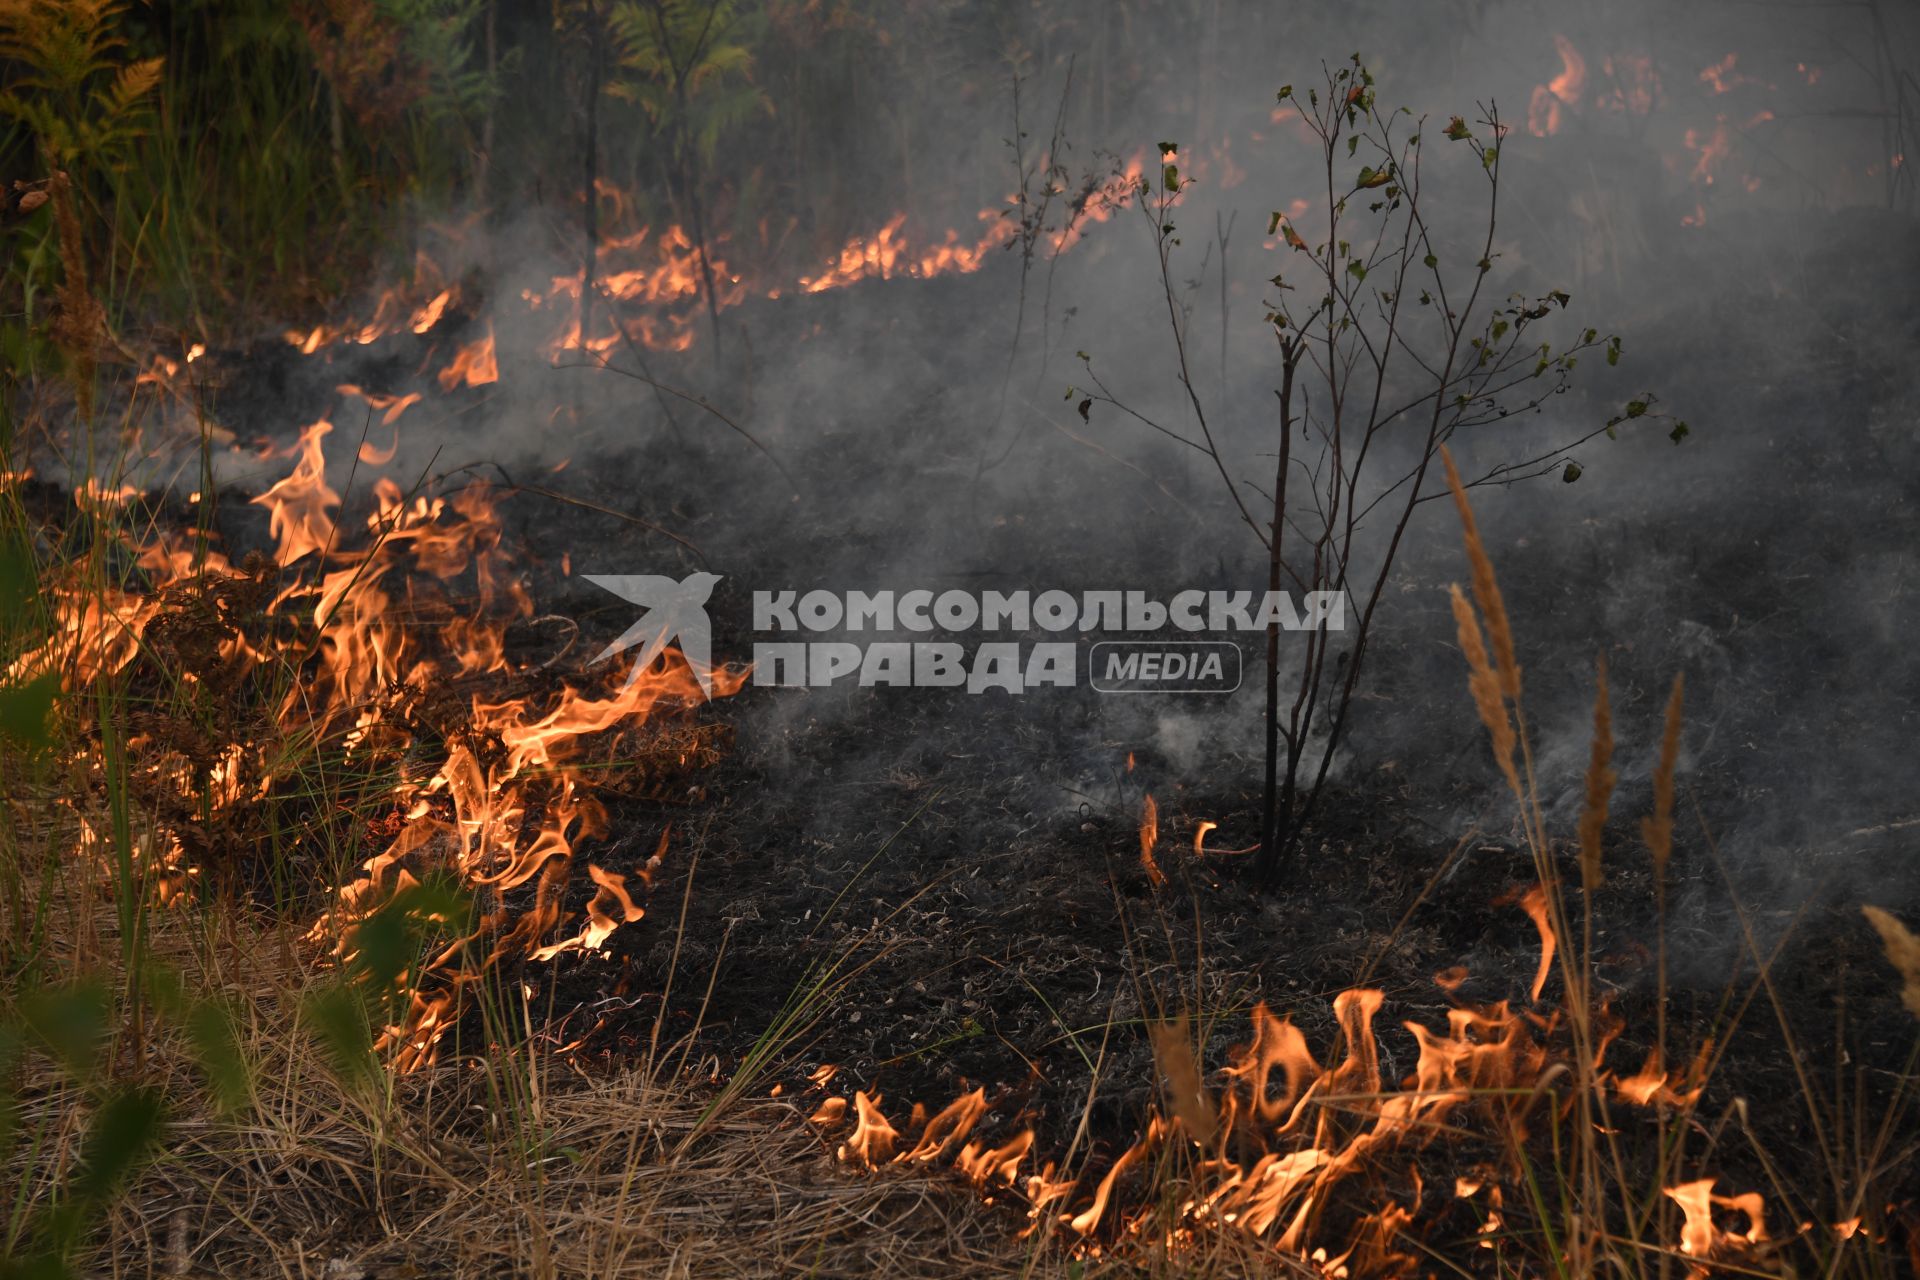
column 963, row 873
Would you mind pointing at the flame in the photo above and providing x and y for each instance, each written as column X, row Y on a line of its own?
column 1699, row 1236
column 873, row 1138
column 1544, row 109
column 1534, row 903
column 1285, row 1132
column 369, row 619
column 1636, row 87
column 429, row 315
column 300, row 502
column 650, row 289
column 95, row 498
column 473, row 365
column 1149, row 837
column 1722, row 77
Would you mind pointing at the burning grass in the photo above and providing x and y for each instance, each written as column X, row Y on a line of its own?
column 327, row 858
column 408, row 1039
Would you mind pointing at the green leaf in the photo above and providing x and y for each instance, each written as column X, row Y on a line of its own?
column 339, row 1023
column 71, row 1024
column 216, row 1047
column 1571, row 474
column 119, row 1135
column 1086, row 408
column 1678, row 433
column 19, row 584
column 1457, row 129
column 26, row 710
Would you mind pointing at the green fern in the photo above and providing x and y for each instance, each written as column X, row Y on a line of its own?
column 684, row 64
column 83, row 104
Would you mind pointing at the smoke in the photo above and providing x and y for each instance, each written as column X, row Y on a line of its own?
column 1729, row 216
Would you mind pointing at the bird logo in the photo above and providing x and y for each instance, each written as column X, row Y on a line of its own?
column 675, row 611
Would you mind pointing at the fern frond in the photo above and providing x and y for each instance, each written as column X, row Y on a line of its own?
column 133, row 82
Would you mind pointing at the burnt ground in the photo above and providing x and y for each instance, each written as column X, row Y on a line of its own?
column 972, row 861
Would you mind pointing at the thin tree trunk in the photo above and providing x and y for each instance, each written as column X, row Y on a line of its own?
column 691, row 168
column 483, row 164
column 1271, row 817
column 591, row 261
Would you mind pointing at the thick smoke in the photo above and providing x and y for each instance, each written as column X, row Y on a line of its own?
column 1741, row 221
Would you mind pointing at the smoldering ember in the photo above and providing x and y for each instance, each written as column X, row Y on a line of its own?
column 711, row 638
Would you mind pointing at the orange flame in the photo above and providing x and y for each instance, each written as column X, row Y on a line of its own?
column 473, row 365
column 1149, row 837
column 1544, row 110
column 1289, row 1131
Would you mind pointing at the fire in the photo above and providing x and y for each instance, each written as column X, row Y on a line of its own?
column 1636, row 87
column 1149, row 837
column 1709, row 150
column 1286, row 1133
column 502, row 798
column 1699, row 1236
column 502, row 819
column 1722, row 77
column 873, row 1138
column 98, row 499
column 886, row 254
column 429, row 315
column 473, row 365
column 1544, row 110
column 651, row 289
column 1534, row 903
column 1631, row 85
column 298, row 504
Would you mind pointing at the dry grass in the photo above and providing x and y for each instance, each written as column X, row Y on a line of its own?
column 1903, row 953
column 590, row 1173
column 511, row 1159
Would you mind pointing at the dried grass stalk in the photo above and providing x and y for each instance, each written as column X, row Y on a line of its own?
column 79, row 322
column 1903, row 952
column 1485, row 687
column 1149, row 838
column 1600, row 780
column 1657, row 830
column 1186, row 1096
column 1486, row 591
